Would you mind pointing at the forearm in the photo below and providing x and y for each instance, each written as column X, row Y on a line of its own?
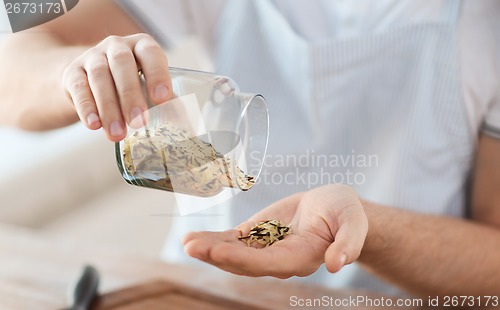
column 432, row 255
column 31, row 95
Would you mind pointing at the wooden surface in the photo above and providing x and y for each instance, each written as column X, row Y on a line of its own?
column 36, row 270
column 163, row 295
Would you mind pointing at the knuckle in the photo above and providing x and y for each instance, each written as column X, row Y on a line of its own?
column 130, row 94
column 148, row 46
column 98, row 67
column 144, row 36
column 78, row 86
column 121, row 54
column 111, row 39
column 109, row 105
column 156, row 75
column 71, row 71
column 84, row 104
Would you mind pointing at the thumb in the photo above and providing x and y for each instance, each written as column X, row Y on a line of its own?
column 349, row 241
column 245, row 227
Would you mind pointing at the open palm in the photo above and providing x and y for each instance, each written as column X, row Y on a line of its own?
column 328, row 225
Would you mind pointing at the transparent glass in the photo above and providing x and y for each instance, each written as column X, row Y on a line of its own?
column 209, row 138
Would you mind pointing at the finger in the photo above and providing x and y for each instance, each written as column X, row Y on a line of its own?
column 103, row 88
column 225, row 251
column 228, row 235
column 124, row 69
column 198, row 248
column 348, row 243
column 275, row 260
column 245, row 227
column 154, row 65
column 76, row 84
column 199, row 244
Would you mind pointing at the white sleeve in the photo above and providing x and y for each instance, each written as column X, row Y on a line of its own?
column 171, row 21
column 491, row 125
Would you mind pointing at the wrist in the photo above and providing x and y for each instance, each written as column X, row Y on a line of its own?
column 375, row 241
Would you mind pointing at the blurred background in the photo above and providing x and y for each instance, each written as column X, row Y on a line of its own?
column 66, row 182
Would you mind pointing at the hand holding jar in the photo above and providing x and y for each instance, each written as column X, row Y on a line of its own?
column 103, row 83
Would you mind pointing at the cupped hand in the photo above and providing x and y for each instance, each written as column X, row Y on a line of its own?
column 328, row 225
column 104, row 85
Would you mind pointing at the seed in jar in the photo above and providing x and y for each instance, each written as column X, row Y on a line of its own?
column 267, row 233
column 171, row 159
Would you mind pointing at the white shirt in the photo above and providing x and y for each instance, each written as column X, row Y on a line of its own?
column 171, row 21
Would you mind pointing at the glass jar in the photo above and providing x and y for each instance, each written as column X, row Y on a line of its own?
column 208, row 138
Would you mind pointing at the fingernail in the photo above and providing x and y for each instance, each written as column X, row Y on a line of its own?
column 136, row 112
column 343, row 259
column 116, row 129
column 92, row 118
column 161, row 92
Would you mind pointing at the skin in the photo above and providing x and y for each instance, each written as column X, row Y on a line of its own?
column 93, row 73
column 423, row 254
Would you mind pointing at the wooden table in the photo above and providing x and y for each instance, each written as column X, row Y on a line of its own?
column 36, row 270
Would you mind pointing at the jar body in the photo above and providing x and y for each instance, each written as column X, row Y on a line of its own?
column 209, row 138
